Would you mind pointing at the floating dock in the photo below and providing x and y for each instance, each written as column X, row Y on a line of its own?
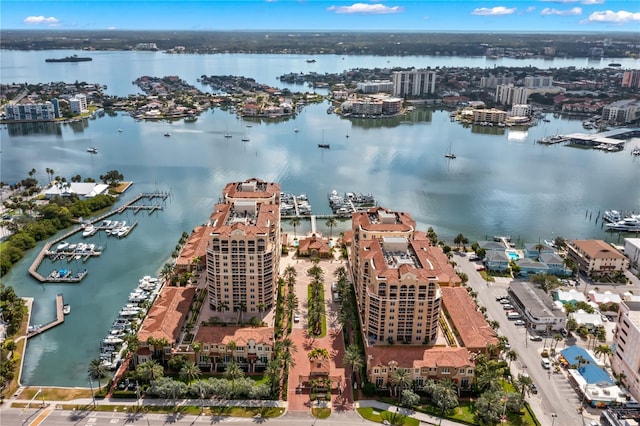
column 59, row 318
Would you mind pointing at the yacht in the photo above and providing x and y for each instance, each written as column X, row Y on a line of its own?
column 450, row 155
column 167, row 134
column 612, row 216
column 628, row 224
column 92, row 150
column 63, row 245
column 66, row 309
column 89, row 230
column 324, row 145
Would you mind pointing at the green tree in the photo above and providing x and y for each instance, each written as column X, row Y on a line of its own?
column 295, row 222
column 331, row 222
column 97, row 370
column 190, row 372
column 149, row 370
column 399, row 379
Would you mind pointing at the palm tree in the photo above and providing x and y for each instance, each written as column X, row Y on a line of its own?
column 331, row 222
column 290, row 275
column 223, row 306
column 556, row 338
column 197, row 347
column 353, row 358
column 287, row 361
column 195, row 261
column 523, row 383
column 400, row 379
column 97, row 370
column 149, row 370
column 603, row 350
column 393, row 418
column 511, row 355
column 444, row 395
column 242, row 307
column 318, row 353
column 619, row 377
column 295, row 222
column 261, row 306
column 190, row 372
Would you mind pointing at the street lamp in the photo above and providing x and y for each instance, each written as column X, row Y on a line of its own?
column 42, row 393
column 92, row 395
column 553, row 418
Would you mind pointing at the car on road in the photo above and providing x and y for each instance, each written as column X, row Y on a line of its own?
column 296, row 318
column 501, row 297
column 535, row 338
column 507, row 307
column 519, row 322
column 533, row 388
column 504, row 301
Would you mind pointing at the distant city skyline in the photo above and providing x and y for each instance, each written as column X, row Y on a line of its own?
column 298, row 15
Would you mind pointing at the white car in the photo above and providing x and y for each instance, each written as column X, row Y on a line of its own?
column 519, row 322
column 296, row 318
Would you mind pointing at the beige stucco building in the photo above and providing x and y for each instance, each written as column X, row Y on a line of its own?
column 626, row 343
column 596, row 257
column 397, row 277
column 243, row 252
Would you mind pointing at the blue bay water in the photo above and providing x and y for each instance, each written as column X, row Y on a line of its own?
column 499, row 184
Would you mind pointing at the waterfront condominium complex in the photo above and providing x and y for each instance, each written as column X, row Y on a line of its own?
column 397, row 277
column 243, row 251
column 626, row 341
column 414, row 82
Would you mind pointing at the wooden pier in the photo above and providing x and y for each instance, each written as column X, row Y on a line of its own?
column 59, row 318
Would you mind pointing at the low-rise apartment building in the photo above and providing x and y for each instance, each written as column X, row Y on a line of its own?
column 536, row 307
column 596, row 257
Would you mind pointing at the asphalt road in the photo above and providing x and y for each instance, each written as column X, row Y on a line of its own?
column 555, row 394
column 20, row 417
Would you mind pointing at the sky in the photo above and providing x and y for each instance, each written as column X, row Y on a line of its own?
column 356, row 15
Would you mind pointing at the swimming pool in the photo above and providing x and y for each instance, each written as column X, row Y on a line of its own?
column 513, row 255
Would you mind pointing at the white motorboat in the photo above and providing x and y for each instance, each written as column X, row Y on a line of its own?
column 628, row 224
column 63, row 245
column 66, row 309
column 612, row 216
column 89, row 230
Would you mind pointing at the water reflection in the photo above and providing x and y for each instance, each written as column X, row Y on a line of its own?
column 40, row 128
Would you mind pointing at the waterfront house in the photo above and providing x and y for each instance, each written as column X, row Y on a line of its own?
column 555, row 264
column 423, row 364
column 193, row 254
column 496, row 260
column 534, row 251
column 491, row 246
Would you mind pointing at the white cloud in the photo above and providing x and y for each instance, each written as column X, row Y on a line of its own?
column 560, row 1
column 531, row 9
column 498, row 10
column 592, row 1
column 568, row 12
column 37, row 20
column 368, row 9
column 609, row 16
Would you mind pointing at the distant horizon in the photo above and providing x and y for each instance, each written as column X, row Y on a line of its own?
column 472, row 16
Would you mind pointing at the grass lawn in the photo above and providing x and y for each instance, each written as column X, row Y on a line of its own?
column 373, row 415
column 321, row 413
column 55, row 394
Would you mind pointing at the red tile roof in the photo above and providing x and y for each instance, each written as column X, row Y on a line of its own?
column 196, row 246
column 167, row 314
column 213, row 334
column 403, row 223
column 473, row 329
column 306, row 245
column 419, row 356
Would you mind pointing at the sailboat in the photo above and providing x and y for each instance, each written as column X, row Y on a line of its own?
column 450, row 154
column 227, row 134
column 323, row 145
column 245, row 138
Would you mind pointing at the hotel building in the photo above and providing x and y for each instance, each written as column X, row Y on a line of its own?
column 397, row 277
column 626, row 345
column 243, row 252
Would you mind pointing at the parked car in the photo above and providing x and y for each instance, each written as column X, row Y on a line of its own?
column 535, row 338
column 507, row 307
column 504, row 300
column 501, row 297
column 533, row 388
column 296, row 318
column 519, row 322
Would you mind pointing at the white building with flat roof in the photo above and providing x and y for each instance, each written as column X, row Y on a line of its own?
column 632, row 252
column 626, row 346
column 414, row 82
column 78, row 104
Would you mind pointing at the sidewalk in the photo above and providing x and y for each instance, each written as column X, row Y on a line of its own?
column 424, row 418
column 159, row 402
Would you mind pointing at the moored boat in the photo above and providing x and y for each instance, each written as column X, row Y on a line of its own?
column 66, row 309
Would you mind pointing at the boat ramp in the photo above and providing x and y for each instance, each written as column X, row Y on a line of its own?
column 37, row 329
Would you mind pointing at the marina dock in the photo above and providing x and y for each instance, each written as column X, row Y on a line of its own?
column 59, row 319
column 47, row 251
